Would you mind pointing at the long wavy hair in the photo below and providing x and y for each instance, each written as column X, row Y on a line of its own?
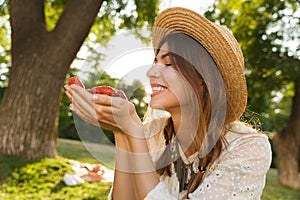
column 191, row 60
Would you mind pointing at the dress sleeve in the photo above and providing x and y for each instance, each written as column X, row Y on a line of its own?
column 240, row 172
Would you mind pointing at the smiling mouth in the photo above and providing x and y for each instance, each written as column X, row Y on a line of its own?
column 157, row 90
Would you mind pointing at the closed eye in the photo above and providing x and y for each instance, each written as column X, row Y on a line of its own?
column 168, row 64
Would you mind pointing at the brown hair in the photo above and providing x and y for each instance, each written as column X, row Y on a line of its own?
column 189, row 58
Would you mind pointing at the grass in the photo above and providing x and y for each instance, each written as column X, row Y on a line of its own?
column 30, row 180
column 26, row 180
column 43, row 180
column 274, row 191
column 86, row 152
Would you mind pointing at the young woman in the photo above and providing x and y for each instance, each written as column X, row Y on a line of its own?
column 200, row 149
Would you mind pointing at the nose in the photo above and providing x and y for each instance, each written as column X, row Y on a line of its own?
column 154, row 71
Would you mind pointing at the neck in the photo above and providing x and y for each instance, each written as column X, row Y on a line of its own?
column 185, row 131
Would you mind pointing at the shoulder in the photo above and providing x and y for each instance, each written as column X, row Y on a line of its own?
column 240, row 134
column 240, row 170
column 246, row 147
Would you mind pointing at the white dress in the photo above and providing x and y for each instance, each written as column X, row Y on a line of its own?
column 239, row 172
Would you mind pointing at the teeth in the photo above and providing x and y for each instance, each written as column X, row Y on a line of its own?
column 158, row 89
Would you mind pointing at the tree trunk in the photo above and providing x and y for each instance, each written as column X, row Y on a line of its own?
column 287, row 145
column 40, row 62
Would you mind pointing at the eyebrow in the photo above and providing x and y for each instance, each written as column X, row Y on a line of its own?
column 162, row 56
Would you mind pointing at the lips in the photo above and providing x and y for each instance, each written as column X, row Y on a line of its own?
column 157, row 89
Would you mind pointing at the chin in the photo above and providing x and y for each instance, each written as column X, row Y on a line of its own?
column 157, row 106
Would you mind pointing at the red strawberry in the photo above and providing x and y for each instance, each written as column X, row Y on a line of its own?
column 75, row 80
column 102, row 90
column 121, row 94
column 108, row 91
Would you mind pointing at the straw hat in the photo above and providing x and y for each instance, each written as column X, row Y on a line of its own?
column 220, row 44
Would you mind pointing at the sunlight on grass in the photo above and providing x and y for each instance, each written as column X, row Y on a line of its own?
column 75, row 150
column 44, row 180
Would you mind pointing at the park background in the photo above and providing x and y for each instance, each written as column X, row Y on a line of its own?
column 43, row 43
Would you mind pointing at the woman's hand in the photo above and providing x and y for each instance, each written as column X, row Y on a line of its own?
column 132, row 155
column 113, row 113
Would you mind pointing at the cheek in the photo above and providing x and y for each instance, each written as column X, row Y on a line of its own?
column 182, row 91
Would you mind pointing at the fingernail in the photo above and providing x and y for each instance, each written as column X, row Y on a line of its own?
column 94, row 96
column 71, row 106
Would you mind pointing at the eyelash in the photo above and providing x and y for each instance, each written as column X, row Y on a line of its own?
column 167, row 65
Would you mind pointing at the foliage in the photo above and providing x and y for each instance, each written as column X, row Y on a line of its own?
column 136, row 94
column 5, row 42
column 263, row 28
column 43, row 180
column 125, row 14
column 66, row 126
column 53, row 10
column 9, row 164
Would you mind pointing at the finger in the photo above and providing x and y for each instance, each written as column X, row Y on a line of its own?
column 88, row 110
column 104, row 113
column 83, row 108
column 85, row 116
column 102, row 99
column 81, row 92
column 104, row 118
column 68, row 94
column 67, row 87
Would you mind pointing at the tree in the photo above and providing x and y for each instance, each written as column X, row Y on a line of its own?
column 263, row 27
column 46, row 36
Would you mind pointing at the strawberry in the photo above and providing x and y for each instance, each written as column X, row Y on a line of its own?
column 75, row 80
column 121, row 94
column 108, row 91
column 96, row 168
column 102, row 90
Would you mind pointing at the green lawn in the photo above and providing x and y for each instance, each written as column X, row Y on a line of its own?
column 274, row 191
column 25, row 180
column 78, row 151
column 44, row 181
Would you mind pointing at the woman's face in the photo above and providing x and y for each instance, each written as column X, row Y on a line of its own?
column 170, row 91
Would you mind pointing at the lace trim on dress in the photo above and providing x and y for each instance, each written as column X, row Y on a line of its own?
column 185, row 168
